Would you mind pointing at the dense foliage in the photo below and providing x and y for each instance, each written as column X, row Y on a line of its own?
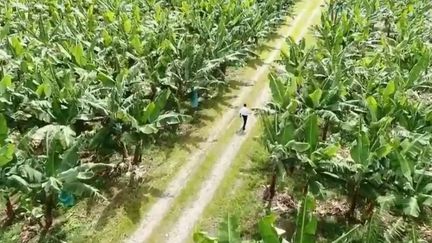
column 96, row 77
column 353, row 114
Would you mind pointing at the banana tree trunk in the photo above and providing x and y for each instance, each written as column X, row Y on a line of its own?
column 387, row 26
column 153, row 91
column 49, row 208
column 306, row 187
column 223, row 68
column 325, row 130
column 271, row 190
column 353, row 204
column 10, row 213
column 369, row 211
column 138, row 153
column 180, row 87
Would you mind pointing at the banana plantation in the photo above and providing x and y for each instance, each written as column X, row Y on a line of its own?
column 350, row 121
column 87, row 85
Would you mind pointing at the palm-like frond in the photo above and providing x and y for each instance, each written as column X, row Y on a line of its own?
column 396, row 231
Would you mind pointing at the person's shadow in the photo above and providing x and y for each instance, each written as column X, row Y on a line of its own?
column 241, row 132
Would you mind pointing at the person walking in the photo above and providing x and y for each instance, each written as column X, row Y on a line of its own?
column 244, row 113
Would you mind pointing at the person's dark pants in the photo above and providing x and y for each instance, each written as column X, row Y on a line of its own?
column 244, row 122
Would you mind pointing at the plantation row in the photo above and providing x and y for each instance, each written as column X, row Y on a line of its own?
column 353, row 116
column 83, row 79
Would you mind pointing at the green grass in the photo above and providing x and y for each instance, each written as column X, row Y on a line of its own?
column 241, row 190
column 11, row 235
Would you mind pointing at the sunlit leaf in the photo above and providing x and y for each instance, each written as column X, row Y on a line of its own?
column 312, row 131
column 5, row 83
column 127, row 26
column 389, row 89
column 3, row 129
column 17, row 46
column 306, row 223
column 228, row 230
column 203, row 237
column 267, row 230
column 316, row 97
column 360, row 152
column 373, row 107
column 411, row 207
column 6, row 154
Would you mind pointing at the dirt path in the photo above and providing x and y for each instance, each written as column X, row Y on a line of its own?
column 184, row 225
column 187, row 220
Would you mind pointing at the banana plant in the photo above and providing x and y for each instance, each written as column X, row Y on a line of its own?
column 9, row 180
column 228, row 232
column 291, row 134
column 413, row 197
column 16, row 176
column 59, row 168
column 147, row 119
column 107, row 77
column 365, row 179
column 376, row 230
column 279, row 131
column 306, row 227
column 347, row 82
column 276, row 136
